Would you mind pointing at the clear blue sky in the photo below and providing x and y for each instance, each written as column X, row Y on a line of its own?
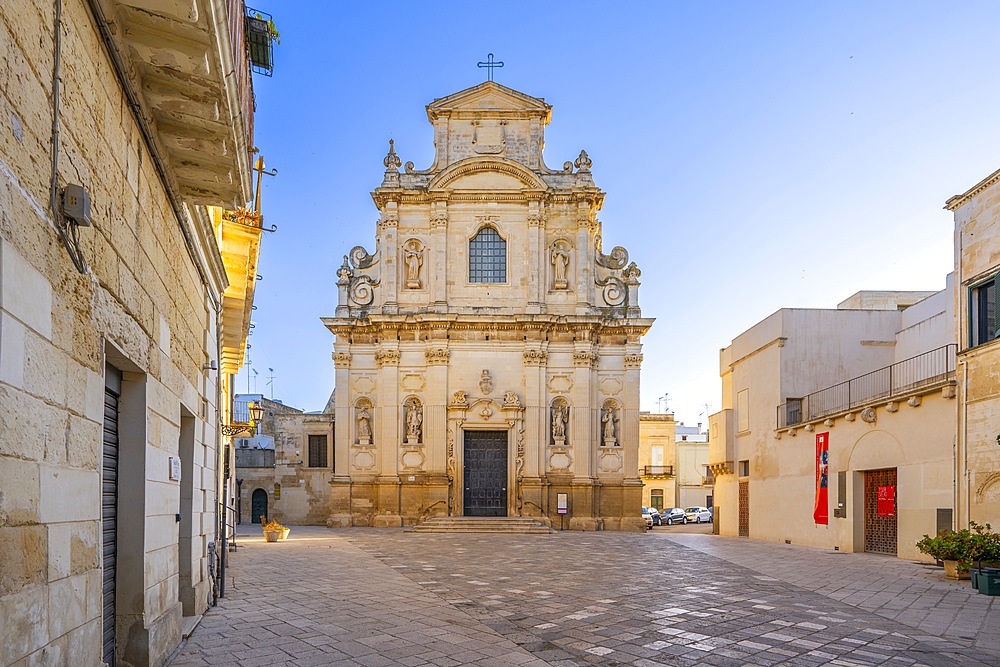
column 755, row 155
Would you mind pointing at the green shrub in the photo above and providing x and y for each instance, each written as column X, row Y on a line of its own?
column 967, row 546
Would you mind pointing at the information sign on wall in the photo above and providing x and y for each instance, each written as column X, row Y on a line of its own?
column 887, row 501
column 562, row 503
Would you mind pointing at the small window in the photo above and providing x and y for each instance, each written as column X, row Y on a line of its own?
column 487, row 257
column 317, row 451
column 793, row 411
column 745, row 468
column 656, row 499
column 983, row 325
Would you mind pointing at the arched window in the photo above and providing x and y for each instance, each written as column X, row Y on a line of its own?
column 487, row 257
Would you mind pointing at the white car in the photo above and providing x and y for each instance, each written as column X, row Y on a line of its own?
column 698, row 514
column 647, row 517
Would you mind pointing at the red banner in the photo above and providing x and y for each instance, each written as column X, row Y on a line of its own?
column 886, row 501
column 821, row 513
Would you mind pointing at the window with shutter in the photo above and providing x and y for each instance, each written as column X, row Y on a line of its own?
column 983, row 324
column 317, row 451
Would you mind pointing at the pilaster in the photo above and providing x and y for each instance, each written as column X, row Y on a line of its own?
column 388, row 226
column 437, row 273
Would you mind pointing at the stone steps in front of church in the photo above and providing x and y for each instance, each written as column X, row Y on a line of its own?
column 478, row 524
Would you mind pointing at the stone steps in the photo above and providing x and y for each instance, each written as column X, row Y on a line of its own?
column 479, row 524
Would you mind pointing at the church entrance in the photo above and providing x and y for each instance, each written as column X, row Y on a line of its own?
column 485, row 473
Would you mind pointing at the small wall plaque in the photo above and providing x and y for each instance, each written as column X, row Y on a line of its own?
column 175, row 468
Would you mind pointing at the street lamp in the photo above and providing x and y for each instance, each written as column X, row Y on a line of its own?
column 256, row 415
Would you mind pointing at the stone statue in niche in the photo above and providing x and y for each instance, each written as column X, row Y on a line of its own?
column 560, row 262
column 559, row 415
column 364, row 425
column 414, row 419
column 413, row 259
column 610, row 420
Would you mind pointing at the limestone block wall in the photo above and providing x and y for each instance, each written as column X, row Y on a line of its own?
column 977, row 260
column 142, row 308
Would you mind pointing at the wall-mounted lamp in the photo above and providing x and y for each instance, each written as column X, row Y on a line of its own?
column 235, row 428
column 211, row 366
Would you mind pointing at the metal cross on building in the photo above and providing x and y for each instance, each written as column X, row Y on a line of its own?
column 489, row 64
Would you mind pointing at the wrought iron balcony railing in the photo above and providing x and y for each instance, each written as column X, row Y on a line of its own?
column 658, row 471
column 923, row 370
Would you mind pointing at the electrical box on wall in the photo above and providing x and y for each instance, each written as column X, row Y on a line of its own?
column 76, row 204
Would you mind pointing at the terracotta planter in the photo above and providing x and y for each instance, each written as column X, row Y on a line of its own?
column 952, row 572
column 272, row 535
column 284, row 533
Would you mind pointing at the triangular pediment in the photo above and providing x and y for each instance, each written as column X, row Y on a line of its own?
column 489, row 99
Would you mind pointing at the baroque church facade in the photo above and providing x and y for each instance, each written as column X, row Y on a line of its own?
column 487, row 351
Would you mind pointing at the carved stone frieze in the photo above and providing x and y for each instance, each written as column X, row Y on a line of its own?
column 437, row 356
column 342, row 360
column 460, row 398
column 535, row 357
column 585, row 358
column 486, row 382
column 868, row 415
column 510, row 400
column 387, row 357
column 633, row 360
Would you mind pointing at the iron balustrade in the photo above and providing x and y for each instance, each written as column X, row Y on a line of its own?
column 658, row 471
column 923, row 370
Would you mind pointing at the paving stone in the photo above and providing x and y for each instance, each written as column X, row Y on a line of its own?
column 364, row 597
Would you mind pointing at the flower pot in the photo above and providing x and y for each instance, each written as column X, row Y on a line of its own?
column 952, row 572
column 272, row 535
column 284, row 533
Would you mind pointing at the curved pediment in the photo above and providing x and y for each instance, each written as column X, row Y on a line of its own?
column 492, row 173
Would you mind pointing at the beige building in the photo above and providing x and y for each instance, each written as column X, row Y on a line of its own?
column 123, row 296
column 284, row 472
column 837, row 426
column 488, row 351
column 673, row 463
column 977, row 265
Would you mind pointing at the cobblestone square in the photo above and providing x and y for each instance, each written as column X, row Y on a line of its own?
column 390, row 597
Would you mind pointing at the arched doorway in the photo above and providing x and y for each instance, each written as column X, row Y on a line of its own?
column 258, row 505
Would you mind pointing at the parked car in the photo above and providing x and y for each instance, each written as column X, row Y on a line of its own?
column 647, row 517
column 698, row 514
column 673, row 515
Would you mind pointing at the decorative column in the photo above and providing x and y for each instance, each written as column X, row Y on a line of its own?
column 585, row 435
column 387, row 417
column 437, row 356
column 630, row 417
column 437, row 273
column 536, row 429
column 537, row 260
column 584, row 260
column 390, row 257
column 340, row 482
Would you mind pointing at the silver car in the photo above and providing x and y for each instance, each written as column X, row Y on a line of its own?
column 647, row 517
column 698, row 514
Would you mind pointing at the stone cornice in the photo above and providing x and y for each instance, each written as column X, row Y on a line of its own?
column 957, row 201
column 592, row 325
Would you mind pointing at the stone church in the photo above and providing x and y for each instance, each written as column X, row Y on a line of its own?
column 487, row 351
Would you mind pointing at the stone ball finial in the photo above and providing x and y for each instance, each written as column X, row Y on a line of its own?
column 583, row 162
column 392, row 161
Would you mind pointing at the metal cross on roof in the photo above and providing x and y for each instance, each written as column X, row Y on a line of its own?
column 489, row 64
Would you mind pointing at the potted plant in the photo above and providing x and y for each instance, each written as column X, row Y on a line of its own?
column 273, row 531
column 948, row 547
column 961, row 549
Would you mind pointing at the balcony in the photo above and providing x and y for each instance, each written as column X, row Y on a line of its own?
column 914, row 375
column 186, row 72
column 658, row 471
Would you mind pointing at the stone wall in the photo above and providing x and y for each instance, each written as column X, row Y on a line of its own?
column 977, row 260
column 142, row 308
